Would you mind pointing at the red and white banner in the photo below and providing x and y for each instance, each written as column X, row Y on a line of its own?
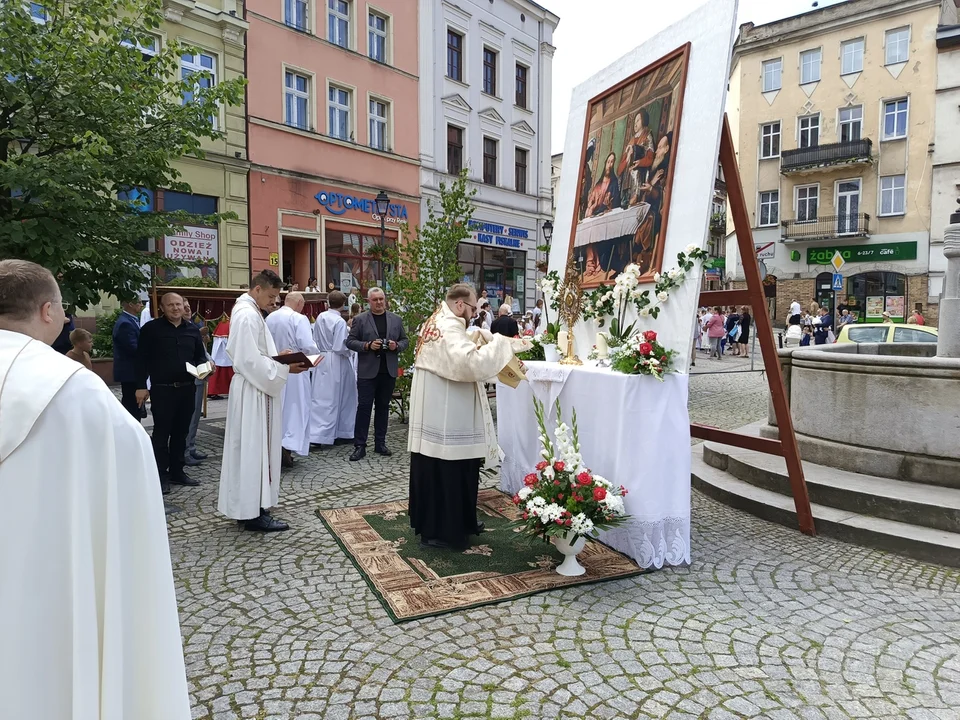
column 192, row 244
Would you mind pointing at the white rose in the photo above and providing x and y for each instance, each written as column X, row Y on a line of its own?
column 645, row 312
column 656, row 277
column 690, row 249
column 662, row 296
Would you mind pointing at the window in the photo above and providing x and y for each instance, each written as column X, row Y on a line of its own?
column 454, row 56
column 520, row 170
column 338, row 22
column 809, row 131
column 851, row 124
column 496, row 270
column 893, row 195
column 521, row 86
column 489, row 71
column 295, row 14
column 189, row 202
column 912, row 335
column 205, row 67
column 378, row 124
column 339, row 113
column 769, row 208
column 454, row 149
column 490, row 161
column 296, row 100
column 897, row 46
column 810, row 66
column 867, row 334
column 851, row 57
column 895, row 119
column 772, row 71
column 38, row 13
column 147, row 48
column 353, row 253
column 377, row 38
column 770, row 140
column 807, row 198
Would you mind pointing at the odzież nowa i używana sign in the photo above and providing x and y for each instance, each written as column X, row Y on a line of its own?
column 192, row 244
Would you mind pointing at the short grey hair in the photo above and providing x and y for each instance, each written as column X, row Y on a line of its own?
column 373, row 290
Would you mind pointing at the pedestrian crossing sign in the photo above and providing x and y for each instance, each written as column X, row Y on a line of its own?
column 838, row 282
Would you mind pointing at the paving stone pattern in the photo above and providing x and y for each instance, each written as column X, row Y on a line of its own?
column 766, row 623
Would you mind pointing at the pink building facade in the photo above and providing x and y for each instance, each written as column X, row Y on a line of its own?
column 332, row 121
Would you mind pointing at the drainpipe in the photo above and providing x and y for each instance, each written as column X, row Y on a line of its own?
column 538, row 224
column 246, row 143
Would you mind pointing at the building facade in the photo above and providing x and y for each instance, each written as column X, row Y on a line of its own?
column 833, row 115
column 946, row 144
column 332, row 122
column 485, row 92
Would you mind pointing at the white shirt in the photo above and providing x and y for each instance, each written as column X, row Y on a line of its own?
column 794, row 308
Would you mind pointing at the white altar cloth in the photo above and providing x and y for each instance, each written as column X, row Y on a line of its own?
column 634, row 431
column 613, row 224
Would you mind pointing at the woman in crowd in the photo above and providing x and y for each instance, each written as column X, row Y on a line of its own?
column 744, row 339
column 715, row 331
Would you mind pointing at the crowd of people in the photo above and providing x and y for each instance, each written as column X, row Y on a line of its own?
column 718, row 329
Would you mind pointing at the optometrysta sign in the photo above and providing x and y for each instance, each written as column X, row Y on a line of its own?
column 863, row 253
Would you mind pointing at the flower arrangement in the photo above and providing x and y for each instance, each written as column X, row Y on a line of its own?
column 549, row 284
column 642, row 355
column 534, row 353
column 563, row 498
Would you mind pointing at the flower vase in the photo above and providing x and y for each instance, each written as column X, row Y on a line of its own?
column 570, row 567
column 550, row 353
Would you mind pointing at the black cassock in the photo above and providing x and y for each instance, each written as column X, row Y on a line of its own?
column 443, row 498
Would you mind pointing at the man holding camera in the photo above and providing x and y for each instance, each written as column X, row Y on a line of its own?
column 377, row 336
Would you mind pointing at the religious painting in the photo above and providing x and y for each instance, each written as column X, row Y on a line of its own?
column 626, row 172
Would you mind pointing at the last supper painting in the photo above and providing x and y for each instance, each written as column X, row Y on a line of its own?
column 626, row 172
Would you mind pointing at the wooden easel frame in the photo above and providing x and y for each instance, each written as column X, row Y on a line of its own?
column 786, row 447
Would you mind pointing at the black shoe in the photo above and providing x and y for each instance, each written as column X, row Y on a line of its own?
column 343, row 441
column 191, row 461
column 165, row 487
column 383, row 450
column 479, row 529
column 359, row 453
column 265, row 523
column 286, row 459
column 197, row 455
column 183, row 479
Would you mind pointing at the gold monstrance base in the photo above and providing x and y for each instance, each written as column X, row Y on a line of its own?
column 568, row 357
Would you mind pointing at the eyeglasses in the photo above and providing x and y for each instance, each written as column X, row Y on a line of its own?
column 473, row 308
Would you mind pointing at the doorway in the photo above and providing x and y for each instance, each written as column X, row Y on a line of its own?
column 299, row 260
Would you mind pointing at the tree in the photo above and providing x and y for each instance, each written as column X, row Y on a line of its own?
column 87, row 119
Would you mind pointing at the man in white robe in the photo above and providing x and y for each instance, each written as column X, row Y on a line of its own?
column 290, row 328
column 451, row 428
column 333, row 413
column 250, row 473
column 88, row 612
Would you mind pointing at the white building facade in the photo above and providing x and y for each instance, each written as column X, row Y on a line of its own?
column 485, row 98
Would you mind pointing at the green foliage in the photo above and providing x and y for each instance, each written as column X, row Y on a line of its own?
column 192, row 282
column 85, row 116
column 534, row 353
column 103, row 338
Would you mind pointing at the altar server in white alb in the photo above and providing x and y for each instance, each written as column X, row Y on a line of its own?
column 291, row 329
column 451, row 428
column 334, row 411
column 250, row 474
column 88, row 613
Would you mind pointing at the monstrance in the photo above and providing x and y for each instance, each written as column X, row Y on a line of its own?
column 571, row 305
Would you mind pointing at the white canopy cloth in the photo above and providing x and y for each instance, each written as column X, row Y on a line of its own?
column 634, row 431
column 613, row 224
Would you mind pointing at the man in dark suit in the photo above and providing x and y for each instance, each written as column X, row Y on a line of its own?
column 377, row 336
column 504, row 324
column 126, row 338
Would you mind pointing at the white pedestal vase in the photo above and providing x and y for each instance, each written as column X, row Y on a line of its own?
column 570, row 567
column 550, row 353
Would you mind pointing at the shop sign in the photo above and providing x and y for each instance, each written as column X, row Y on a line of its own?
column 500, row 235
column 192, row 244
column 346, row 283
column 863, row 253
column 875, row 306
column 338, row 204
column 895, row 305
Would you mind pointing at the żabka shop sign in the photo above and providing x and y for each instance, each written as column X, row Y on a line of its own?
column 338, row 204
column 192, row 244
column 863, row 253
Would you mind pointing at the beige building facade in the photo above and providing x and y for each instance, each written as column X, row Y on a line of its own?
column 833, row 119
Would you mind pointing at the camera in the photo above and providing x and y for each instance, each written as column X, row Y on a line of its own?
column 384, row 344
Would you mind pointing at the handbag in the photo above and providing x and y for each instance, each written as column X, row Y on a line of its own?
column 831, row 338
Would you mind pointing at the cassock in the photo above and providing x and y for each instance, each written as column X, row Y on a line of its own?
column 88, row 613
column 219, row 383
column 451, row 427
column 333, row 413
column 291, row 331
column 250, row 473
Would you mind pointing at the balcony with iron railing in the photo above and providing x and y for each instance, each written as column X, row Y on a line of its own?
column 855, row 152
column 827, row 227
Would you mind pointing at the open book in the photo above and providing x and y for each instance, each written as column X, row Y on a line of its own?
column 513, row 372
column 200, row 371
column 298, row 358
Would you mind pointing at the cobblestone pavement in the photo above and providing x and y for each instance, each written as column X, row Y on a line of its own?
column 765, row 623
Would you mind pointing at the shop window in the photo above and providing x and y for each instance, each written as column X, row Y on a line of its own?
column 499, row 271
column 353, row 253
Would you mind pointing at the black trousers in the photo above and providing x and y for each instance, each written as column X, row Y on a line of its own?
column 128, row 398
column 172, row 411
column 377, row 390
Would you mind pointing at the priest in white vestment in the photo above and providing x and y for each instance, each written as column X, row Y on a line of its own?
column 290, row 329
column 451, row 428
column 250, row 473
column 88, row 613
column 333, row 413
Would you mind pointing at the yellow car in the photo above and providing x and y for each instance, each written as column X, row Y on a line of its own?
column 887, row 332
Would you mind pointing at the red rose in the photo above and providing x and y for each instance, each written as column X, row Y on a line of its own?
column 530, row 480
column 599, row 493
column 557, row 483
column 584, row 478
column 525, row 516
column 560, row 496
column 577, row 498
column 646, row 348
column 569, row 522
column 559, row 466
column 542, row 465
column 559, row 522
column 516, row 499
column 649, row 336
column 663, row 358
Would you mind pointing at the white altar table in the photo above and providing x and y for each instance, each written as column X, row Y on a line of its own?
column 634, row 431
column 613, row 224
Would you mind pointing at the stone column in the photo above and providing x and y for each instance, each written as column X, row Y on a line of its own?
column 948, row 342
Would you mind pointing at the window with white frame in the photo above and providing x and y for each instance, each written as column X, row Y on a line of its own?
column 810, row 66
column 895, row 119
column 808, row 197
column 295, row 14
column 851, row 57
column 770, row 140
column 296, row 100
column 338, row 22
column 204, row 67
column 850, row 124
column 378, row 124
column 809, row 131
column 377, row 37
column 772, row 74
column 38, row 13
column 769, row 208
column 893, row 195
column 339, row 113
column 897, row 46
column 147, row 46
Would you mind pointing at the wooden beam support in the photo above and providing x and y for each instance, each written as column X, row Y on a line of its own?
column 709, row 298
column 747, row 442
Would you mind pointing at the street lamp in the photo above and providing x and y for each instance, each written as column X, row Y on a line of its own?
column 383, row 203
column 548, row 231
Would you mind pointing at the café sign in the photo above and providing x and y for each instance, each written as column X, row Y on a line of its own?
column 863, row 253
